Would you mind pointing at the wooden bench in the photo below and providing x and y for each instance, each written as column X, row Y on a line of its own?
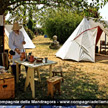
column 54, row 85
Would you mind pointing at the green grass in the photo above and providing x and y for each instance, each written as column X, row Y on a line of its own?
column 82, row 80
column 76, row 85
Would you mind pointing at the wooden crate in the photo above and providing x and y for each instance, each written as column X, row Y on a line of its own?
column 7, row 86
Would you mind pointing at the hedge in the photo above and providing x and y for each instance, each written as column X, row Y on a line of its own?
column 61, row 23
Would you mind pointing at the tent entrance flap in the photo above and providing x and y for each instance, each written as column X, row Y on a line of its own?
column 98, row 34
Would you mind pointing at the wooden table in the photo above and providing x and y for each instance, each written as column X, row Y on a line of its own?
column 30, row 72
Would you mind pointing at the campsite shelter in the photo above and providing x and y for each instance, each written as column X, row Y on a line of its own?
column 103, row 37
column 80, row 46
column 29, row 43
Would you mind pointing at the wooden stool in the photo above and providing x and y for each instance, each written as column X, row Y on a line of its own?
column 58, row 70
column 54, row 85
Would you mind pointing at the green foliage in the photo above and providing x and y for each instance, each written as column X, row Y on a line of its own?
column 29, row 32
column 39, row 31
column 13, row 4
column 61, row 23
column 30, row 24
column 92, row 12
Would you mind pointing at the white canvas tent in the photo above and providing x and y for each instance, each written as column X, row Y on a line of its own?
column 29, row 43
column 80, row 46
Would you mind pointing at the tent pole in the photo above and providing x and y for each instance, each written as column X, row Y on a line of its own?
column 105, row 43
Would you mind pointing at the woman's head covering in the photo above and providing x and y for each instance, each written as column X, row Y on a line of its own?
column 16, row 26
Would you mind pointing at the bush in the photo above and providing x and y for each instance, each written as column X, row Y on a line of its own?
column 61, row 23
column 30, row 24
column 29, row 32
column 38, row 31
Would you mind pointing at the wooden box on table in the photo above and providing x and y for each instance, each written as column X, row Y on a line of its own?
column 7, row 86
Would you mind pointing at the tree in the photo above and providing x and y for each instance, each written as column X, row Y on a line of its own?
column 61, row 22
column 81, row 4
column 30, row 21
column 22, row 14
column 19, row 14
column 11, row 5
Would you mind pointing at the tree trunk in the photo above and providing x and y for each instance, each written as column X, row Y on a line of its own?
column 3, row 6
column 2, row 11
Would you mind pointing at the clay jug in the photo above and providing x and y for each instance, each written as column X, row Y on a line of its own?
column 23, row 55
column 31, row 59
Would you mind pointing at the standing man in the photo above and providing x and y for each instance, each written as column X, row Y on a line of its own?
column 16, row 42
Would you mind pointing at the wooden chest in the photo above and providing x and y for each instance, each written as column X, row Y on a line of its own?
column 7, row 86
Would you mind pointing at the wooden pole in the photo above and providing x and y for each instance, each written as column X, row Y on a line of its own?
column 3, row 33
column 105, row 43
column 1, row 37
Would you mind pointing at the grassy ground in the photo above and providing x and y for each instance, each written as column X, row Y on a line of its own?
column 82, row 80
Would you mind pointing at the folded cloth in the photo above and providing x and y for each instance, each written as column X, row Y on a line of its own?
column 2, row 69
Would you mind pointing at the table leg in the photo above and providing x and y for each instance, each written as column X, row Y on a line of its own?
column 38, row 73
column 32, row 83
column 27, row 79
column 50, row 71
column 17, row 72
column 30, row 79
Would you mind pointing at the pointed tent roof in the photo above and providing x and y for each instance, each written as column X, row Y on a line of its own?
column 80, row 46
column 29, row 43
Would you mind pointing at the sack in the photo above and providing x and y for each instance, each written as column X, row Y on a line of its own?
column 12, row 52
